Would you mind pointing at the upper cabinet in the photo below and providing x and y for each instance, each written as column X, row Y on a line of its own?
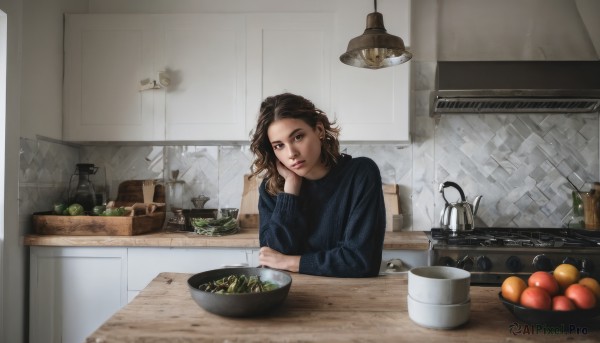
column 195, row 62
column 288, row 53
column 202, row 77
column 105, row 59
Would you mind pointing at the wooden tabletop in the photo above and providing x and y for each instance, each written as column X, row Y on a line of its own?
column 245, row 238
column 317, row 309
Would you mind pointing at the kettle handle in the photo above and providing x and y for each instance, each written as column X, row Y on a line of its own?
column 451, row 184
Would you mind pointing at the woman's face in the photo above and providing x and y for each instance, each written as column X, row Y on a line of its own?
column 298, row 147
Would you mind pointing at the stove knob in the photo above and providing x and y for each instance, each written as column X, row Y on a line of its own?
column 446, row 261
column 543, row 262
column 513, row 263
column 465, row 263
column 484, row 263
column 572, row 261
column 587, row 266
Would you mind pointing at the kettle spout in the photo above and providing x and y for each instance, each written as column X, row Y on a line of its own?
column 476, row 204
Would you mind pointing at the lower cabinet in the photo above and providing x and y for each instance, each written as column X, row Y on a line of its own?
column 73, row 290
column 145, row 263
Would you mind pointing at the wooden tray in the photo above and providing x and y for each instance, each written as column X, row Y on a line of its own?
column 130, row 192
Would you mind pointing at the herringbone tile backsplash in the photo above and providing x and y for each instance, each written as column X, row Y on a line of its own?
column 519, row 163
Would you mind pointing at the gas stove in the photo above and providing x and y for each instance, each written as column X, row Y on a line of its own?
column 493, row 254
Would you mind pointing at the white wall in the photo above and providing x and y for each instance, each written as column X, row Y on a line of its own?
column 12, row 270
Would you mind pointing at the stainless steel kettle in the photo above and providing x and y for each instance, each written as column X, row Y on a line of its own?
column 458, row 216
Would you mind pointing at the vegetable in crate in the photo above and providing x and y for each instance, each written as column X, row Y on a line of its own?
column 75, row 210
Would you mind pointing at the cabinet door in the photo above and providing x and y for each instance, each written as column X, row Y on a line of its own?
column 204, row 55
column 74, row 290
column 106, row 57
column 288, row 52
column 145, row 263
column 371, row 105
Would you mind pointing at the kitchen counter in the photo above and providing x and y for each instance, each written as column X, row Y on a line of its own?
column 319, row 309
column 246, row 238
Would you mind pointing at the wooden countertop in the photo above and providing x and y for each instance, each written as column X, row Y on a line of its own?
column 246, row 238
column 319, row 309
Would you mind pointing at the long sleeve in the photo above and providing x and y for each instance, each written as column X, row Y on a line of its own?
column 281, row 223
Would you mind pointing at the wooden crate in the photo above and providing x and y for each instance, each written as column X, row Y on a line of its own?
column 130, row 192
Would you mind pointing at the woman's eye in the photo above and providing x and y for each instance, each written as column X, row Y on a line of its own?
column 277, row 146
column 298, row 138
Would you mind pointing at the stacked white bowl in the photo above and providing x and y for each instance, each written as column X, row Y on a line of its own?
column 439, row 296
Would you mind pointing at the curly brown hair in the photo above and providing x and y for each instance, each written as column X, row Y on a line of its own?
column 293, row 106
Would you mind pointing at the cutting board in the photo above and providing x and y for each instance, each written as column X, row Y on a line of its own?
column 248, row 215
column 392, row 206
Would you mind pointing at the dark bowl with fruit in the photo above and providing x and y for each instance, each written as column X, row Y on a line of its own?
column 550, row 317
column 560, row 297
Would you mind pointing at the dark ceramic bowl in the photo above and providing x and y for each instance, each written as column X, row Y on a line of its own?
column 245, row 304
column 534, row 316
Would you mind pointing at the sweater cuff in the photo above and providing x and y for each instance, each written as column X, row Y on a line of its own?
column 307, row 264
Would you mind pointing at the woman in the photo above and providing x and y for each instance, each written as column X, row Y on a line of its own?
column 321, row 212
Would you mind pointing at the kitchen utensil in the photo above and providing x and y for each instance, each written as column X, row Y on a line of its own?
column 549, row 317
column 148, row 191
column 240, row 305
column 591, row 206
column 200, row 200
column 439, row 285
column 436, row 316
column 460, row 215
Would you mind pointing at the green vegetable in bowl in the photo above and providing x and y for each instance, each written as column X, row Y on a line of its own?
column 238, row 284
column 214, row 227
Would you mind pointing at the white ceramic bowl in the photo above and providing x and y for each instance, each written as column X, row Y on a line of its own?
column 438, row 316
column 439, row 285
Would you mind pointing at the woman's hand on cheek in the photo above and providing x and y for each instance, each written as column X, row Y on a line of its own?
column 274, row 259
column 292, row 180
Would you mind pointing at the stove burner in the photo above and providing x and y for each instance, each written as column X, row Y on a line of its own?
column 534, row 238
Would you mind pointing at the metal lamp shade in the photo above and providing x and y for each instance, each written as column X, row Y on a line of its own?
column 375, row 48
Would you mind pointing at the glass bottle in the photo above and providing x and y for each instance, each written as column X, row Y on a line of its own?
column 84, row 193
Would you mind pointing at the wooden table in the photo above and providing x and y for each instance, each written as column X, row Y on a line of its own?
column 318, row 309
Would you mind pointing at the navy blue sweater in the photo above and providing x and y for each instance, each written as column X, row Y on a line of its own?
column 336, row 224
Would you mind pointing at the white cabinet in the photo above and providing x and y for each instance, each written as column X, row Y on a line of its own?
column 74, row 290
column 371, row 105
column 109, row 56
column 205, row 56
column 288, row 52
column 106, row 56
column 145, row 263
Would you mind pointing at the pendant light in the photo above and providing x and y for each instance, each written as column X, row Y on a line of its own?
column 375, row 48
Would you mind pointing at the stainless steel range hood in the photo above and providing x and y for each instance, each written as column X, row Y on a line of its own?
column 516, row 87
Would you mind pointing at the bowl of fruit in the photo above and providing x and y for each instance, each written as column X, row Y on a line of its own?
column 562, row 296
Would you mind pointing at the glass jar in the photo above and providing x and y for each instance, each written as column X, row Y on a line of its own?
column 83, row 193
column 175, row 195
